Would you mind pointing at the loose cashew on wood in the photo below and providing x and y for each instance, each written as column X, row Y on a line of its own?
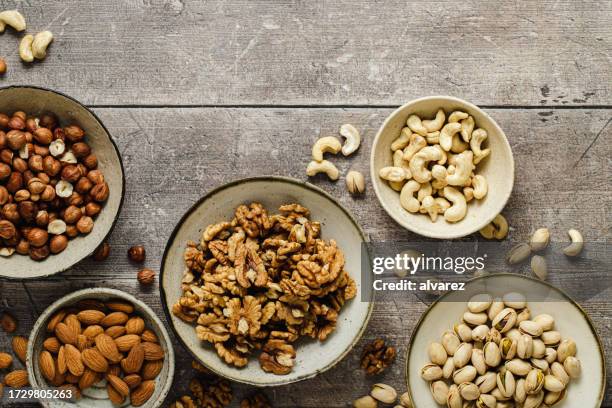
column 395, row 174
column 463, row 169
column 12, row 18
column 435, row 124
column 327, row 144
column 25, row 48
column 478, row 137
column 416, row 125
column 447, row 133
column 327, row 167
column 458, row 209
column 418, row 163
column 417, row 142
column 577, row 244
column 497, row 229
column 40, row 44
column 407, row 199
column 402, row 141
column 467, row 126
column 353, row 139
column 480, row 185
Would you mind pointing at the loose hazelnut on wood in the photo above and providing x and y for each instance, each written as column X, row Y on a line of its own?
column 146, row 276
column 137, row 254
column 102, row 252
column 2, row 66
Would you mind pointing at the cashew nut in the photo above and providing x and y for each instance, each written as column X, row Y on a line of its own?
column 418, row 163
column 447, row 133
column 415, row 124
column 327, row 167
column 12, row 18
column 25, row 48
column 478, row 137
column 424, row 191
column 480, row 185
column 40, row 44
column 432, row 207
column 443, row 153
column 439, row 173
column 417, row 142
column 407, row 199
column 397, row 185
column 457, row 211
column 577, row 244
column 463, row 169
column 437, row 123
column 443, row 203
column 468, row 192
column 433, row 138
column 458, row 145
column 402, row 141
column 457, row 116
column 498, row 228
column 467, row 126
column 327, row 144
column 395, row 174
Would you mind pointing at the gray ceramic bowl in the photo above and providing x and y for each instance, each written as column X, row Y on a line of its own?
column 313, row 357
column 570, row 320
column 498, row 169
column 34, row 100
column 96, row 397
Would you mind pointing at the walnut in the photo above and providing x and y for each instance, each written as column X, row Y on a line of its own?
column 245, row 316
column 278, row 357
column 197, row 366
column 377, row 356
column 215, row 394
column 213, row 230
column 257, row 400
column 295, row 210
column 249, row 267
column 184, row 402
column 212, row 328
column 253, row 219
column 231, row 355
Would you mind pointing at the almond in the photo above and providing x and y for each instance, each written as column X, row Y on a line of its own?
column 59, row 379
column 52, row 344
column 58, row 317
column 142, row 393
column 118, row 384
column 65, row 334
column 150, row 336
column 91, row 316
column 114, row 319
column 46, row 365
column 133, row 362
column 107, row 346
column 115, row 331
column 93, row 359
column 83, row 342
column 114, row 370
column 153, row 351
column 125, row 343
column 61, row 360
column 120, row 306
column 151, row 369
column 20, row 347
column 72, row 379
column 114, row 395
column 16, row 379
column 73, row 360
column 5, row 360
column 88, row 379
column 135, row 325
column 132, row 380
column 8, row 322
column 93, row 331
column 72, row 321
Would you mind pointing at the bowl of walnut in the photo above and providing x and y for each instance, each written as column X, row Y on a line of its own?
column 441, row 167
column 261, row 281
column 61, row 182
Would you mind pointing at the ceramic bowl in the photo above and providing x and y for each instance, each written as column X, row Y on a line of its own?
column 96, row 396
column 570, row 320
column 33, row 101
column 313, row 357
column 498, row 169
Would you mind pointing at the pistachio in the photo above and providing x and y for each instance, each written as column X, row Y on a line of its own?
column 355, row 182
column 454, row 400
column 534, row 382
column 463, row 355
column 520, row 393
column 551, row 338
column 405, row 400
column 480, row 303
column 552, row 383
column 507, row 348
column 439, row 391
column 539, row 267
column 518, row 254
column 553, row 398
column 539, row 349
column 525, row 314
column 534, row 400
column 515, row 300
column 566, row 349
column 480, row 333
column 492, row 354
column 494, row 336
column 496, row 307
column 486, row 401
column 478, row 361
column 551, row 355
column 559, row 372
column 487, row 382
column 450, row 341
column 572, row 366
column 539, row 239
column 546, row 321
column 437, row 353
column 540, row 363
column 365, row 402
column 505, row 382
column 469, row 391
column 465, row 374
column 518, row 367
column 505, row 320
column 431, row 372
column 524, row 347
column 475, row 319
column 464, row 332
column 514, row 334
column 449, row 368
column 383, row 393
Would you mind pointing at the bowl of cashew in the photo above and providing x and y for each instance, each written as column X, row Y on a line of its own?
column 441, row 167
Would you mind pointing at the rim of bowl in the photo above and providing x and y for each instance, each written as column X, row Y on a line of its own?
column 211, row 193
column 44, row 316
column 374, row 172
column 121, row 199
column 550, row 286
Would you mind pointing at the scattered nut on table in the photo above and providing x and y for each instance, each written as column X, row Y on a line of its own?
column 496, row 229
column 575, row 248
column 377, row 356
column 539, row 239
column 355, row 182
column 441, row 159
column 35, row 46
column 327, row 167
column 12, row 18
column 353, row 139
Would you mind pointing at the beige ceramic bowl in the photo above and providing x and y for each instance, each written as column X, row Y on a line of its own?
column 570, row 320
column 498, row 169
column 313, row 357
column 33, row 101
column 96, row 396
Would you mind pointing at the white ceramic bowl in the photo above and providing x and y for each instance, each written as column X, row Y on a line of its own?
column 570, row 320
column 33, row 100
column 313, row 357
column 96, row 397
column 498, row 169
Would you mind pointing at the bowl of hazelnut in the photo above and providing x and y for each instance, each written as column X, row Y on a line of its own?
column 61, row 182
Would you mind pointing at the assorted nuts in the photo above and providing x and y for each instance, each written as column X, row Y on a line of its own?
column 50, row 187
column 437, row 163
column 498, row 355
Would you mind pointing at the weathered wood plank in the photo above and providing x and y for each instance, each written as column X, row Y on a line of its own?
column 341, row 52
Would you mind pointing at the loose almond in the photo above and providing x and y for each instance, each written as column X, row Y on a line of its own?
column 118, row 384
column 16, row 379
column 132, row 380
column 88, row 379
column 133, row 362
column 114, row 395
column 115, row 331
column 135, row 325
column 142, row 393
column 114, row 319
column 20, row 347
column 125, row 343
column 107, row 346
column 58, row 317
column 151, row 369
column 73, row 360
column 153, row 351
column 5, row 360
column 52, row 344
column 91, row 316
column 46, row 365
column 93, row 359
column 65, row 334
column 120, row 306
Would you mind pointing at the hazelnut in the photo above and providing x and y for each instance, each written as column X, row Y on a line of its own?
column 72, row 231
column 6, row 156
column 48, row 193
column 63, row 189
column 91, row 161
column 56, row 227
column 57, row 148
column 146, row 276
column 102, row 252
column 23, row 247
column 37, row 237
column 15, row 182
column 91, row 209
column 51, row 166
column 35, row 162
column 4, row 119
column 100, row 192
column 83, row 185
column 21, row 195
column 72, row 214
column 74, row 133
column 137, row 254
column 20, row 165
column 27, row 210
column 68, row 158
column 42, row 151
column 81, row 149
column 7, row 229
column 16, row 139
column 5, row 171
column 20, row 114
column 43, row 136
column 75, row 199
column 42, row 218
column 29, row 138
column 31, row 125
column 71, row 173
column 36, row 186
column 48, row 120
column 96, row 176
column 2, row 140
column 40, row 253
column 85, row 225
column 58, row 243
column 17, row 122
column 10, row 212
column 27, row 176
column 44, row 177
column 2, row 66
column 4, row 195
column 58, row 134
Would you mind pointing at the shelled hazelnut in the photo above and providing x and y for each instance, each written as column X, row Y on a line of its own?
column 137, row 254
column 50, row 187
column 146, row 276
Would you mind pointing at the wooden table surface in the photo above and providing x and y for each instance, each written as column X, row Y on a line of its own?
column 200, row 93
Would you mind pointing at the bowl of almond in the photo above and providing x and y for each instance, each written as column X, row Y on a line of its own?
column 100, row 348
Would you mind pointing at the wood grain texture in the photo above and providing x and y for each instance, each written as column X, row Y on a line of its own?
column 174, row 156
column 291, row 52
